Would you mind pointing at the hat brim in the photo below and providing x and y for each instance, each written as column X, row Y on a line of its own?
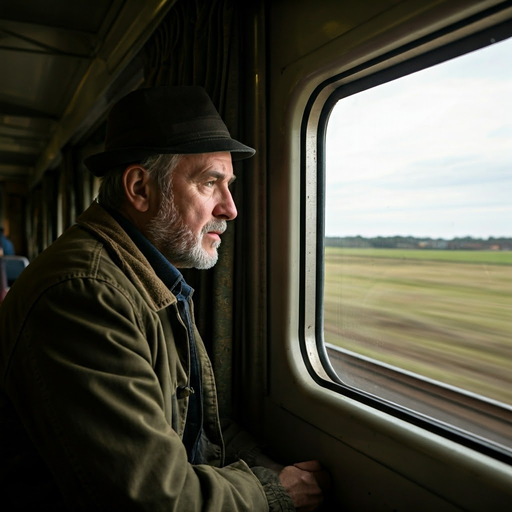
column 100, row 163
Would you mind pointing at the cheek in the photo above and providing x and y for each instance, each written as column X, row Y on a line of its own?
column 196, row 216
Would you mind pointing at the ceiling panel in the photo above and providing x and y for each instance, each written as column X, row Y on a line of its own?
column 54, row 56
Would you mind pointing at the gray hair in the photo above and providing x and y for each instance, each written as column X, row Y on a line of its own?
column 159, row 167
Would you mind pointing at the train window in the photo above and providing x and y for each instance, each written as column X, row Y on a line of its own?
column 417, row 276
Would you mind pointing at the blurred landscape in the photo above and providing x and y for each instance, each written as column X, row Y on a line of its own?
column 445, row 314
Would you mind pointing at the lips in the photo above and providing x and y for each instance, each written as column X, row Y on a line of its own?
column 214, row 234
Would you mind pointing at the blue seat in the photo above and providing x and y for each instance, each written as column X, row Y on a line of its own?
column 14, row 266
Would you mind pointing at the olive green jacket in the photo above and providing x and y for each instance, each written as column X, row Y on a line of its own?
column 94, row 367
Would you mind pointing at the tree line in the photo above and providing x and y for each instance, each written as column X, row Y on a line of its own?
column 410, row 242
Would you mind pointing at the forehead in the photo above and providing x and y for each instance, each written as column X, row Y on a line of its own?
column 195, row 166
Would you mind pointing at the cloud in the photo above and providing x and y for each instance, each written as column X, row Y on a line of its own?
column 429, row 154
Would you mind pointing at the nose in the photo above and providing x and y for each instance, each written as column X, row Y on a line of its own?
column 225, row 207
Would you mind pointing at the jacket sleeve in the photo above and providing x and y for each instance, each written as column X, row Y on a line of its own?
column 242, row 445
column 82, row 382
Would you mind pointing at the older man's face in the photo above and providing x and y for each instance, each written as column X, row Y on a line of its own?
column 188, row 227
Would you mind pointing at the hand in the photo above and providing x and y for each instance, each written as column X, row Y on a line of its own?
column 306, row 483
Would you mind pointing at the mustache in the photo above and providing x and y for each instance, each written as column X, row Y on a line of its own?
column 218, row 226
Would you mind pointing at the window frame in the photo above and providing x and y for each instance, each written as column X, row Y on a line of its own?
column 437, row 47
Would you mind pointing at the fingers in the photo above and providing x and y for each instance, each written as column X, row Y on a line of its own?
column 310, row 465
column 322, row 477
column 306, row 483
column 302, row 487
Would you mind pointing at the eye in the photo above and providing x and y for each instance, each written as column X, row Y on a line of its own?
column 210, row 183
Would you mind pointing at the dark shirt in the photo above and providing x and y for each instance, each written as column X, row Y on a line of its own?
column 174, row 280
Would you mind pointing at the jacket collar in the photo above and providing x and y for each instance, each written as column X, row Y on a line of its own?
column 133, row 262
column 163, row 268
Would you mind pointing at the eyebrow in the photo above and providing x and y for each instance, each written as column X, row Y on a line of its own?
column 219, row 175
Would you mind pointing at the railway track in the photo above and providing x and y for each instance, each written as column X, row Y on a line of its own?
column 483, row 420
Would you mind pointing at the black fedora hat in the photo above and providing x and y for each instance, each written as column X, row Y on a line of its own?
column 163, row 120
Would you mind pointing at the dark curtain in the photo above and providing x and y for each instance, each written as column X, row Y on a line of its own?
column 198, row 44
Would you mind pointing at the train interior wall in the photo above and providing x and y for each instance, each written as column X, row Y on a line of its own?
column 379, row 462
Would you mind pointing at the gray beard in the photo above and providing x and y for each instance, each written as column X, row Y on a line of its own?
column 169, row 234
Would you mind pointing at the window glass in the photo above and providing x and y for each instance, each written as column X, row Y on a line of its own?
column 418, row 225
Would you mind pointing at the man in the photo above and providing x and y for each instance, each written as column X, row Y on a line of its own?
column 108, row 398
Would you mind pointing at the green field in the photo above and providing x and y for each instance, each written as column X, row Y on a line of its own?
column 446, row 315
column 486, row 257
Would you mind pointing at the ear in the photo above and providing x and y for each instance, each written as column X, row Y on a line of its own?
column 137, row 187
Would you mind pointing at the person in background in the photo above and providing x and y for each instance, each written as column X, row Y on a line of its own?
column 3, row 278
column 108, row 398
column 7, row 248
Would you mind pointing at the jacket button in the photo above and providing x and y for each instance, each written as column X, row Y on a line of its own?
column 184, row 391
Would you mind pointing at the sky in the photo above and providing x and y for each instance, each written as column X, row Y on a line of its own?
column 427, row 155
